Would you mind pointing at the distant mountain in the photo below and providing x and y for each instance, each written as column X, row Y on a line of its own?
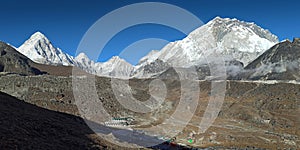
column 281, row 62
column 150, row 69
column 82, row 61
column 14, row 62
column 231, row 39
column 40, row 50
column 114, row 67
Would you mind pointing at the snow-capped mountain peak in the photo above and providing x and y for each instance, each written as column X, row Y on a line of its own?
column 115, row 60
column 83, row 61
column 38, row 36
column 82, row 56
column 116, row 67
column 39, row 49
column 229, row 38
column 226, row 25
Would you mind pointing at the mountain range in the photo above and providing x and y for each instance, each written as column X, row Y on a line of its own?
column 40, row 50
column 241, row 44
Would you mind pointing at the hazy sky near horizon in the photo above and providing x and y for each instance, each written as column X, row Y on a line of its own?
column 65, row 22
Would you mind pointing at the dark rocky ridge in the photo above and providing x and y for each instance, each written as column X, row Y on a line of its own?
column 279, row 53
column 14, row 62
column 281, row 62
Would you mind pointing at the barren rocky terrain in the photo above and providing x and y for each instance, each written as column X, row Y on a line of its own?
column 254, row 114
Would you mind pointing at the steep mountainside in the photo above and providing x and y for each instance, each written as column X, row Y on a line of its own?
column 14, row 62
column 281, row 62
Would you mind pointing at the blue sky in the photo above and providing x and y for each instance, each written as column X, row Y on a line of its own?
column 65, row 22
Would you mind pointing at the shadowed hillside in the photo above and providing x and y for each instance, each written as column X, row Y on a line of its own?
column 25, row 126
column 14, row 62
